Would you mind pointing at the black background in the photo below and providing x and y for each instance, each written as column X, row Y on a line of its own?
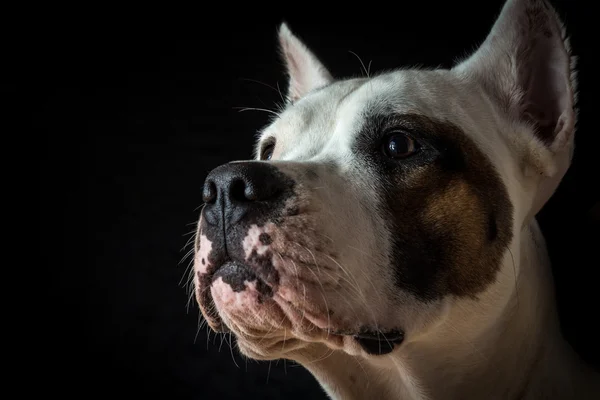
column 137, row 106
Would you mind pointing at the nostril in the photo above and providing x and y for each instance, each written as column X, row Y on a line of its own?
column 237, row 190
column 245, row 190
column 209, row 193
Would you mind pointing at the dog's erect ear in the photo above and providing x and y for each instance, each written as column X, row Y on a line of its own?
column 305, row 71
column 525, row 64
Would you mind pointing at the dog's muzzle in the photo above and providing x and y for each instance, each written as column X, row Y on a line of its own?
column 238, row 195
column 253, row 272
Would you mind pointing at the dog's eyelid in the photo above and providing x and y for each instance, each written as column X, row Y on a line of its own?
column 267, row 146
column 401, row 131
column 269, row 142
column 409, row 133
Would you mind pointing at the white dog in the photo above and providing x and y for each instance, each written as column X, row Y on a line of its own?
column 385, row 237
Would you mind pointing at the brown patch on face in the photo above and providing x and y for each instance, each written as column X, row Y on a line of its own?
column 449, row 215
column 458, row 215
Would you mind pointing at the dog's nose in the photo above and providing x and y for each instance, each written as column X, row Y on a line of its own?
column 234, row 190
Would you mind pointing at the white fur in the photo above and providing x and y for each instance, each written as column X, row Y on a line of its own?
column 504, row 344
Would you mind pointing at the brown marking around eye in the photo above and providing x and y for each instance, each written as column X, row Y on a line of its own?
column 457, row 215
column 451, row 219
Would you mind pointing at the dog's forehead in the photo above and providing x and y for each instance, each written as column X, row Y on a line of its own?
column 326, row 122
column 305, row 127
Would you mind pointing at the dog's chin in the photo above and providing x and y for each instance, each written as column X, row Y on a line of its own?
column 266, row 325
column 269, row 324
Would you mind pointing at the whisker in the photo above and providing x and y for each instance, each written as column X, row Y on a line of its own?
column 294, row 265
column 386, row 339
column 189, row 272
column 207, row 336
column 328, row 353
column 356, row 285
column 189, row 253
column 347, row 298
column 269, row 371
column 303, row 304
column 201, row 322
column 241, row 109
column 284, row 339
column 261, row 83
column 231, row 350
column 222, row 340
column 361, row 63
column 280, row 95
column 348, row 289
column 189, row 301
column 190, row 240
column 264, row 336
column 322, row 295
column 364, row 370
column 515, row 275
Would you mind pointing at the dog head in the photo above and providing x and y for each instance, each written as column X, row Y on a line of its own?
column 379, row 207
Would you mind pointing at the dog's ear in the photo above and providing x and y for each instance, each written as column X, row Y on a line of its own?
column 526, row 66
column 305, row 71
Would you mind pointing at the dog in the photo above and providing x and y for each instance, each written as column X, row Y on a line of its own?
column 384, row 236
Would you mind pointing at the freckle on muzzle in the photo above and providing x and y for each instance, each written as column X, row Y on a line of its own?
column 237, row 196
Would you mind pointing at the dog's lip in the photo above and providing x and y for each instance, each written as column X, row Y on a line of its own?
column 235, row 266
column 393, row 335
column 375, row 341
column 222, row 271
column 236, row 274
column 368, row 333
column 231, row 266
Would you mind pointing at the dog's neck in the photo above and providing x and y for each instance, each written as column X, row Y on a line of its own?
column 512, row 352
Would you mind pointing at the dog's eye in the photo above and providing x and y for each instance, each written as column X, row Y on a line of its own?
column 267, row 150
column 399, row 145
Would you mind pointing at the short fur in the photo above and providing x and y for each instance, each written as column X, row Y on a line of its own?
column 330, row 244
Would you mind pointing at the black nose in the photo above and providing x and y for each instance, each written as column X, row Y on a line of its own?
column 233, row 191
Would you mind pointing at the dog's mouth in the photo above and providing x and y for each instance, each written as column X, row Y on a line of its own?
column 259, row 302
column 376, row 342
column 236, row 274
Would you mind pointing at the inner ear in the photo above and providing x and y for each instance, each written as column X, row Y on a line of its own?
column 544, row 75
column 305, row 71
column 525, row 64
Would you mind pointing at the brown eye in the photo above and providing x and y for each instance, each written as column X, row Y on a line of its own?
column 399, row 145
column 267, row 150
